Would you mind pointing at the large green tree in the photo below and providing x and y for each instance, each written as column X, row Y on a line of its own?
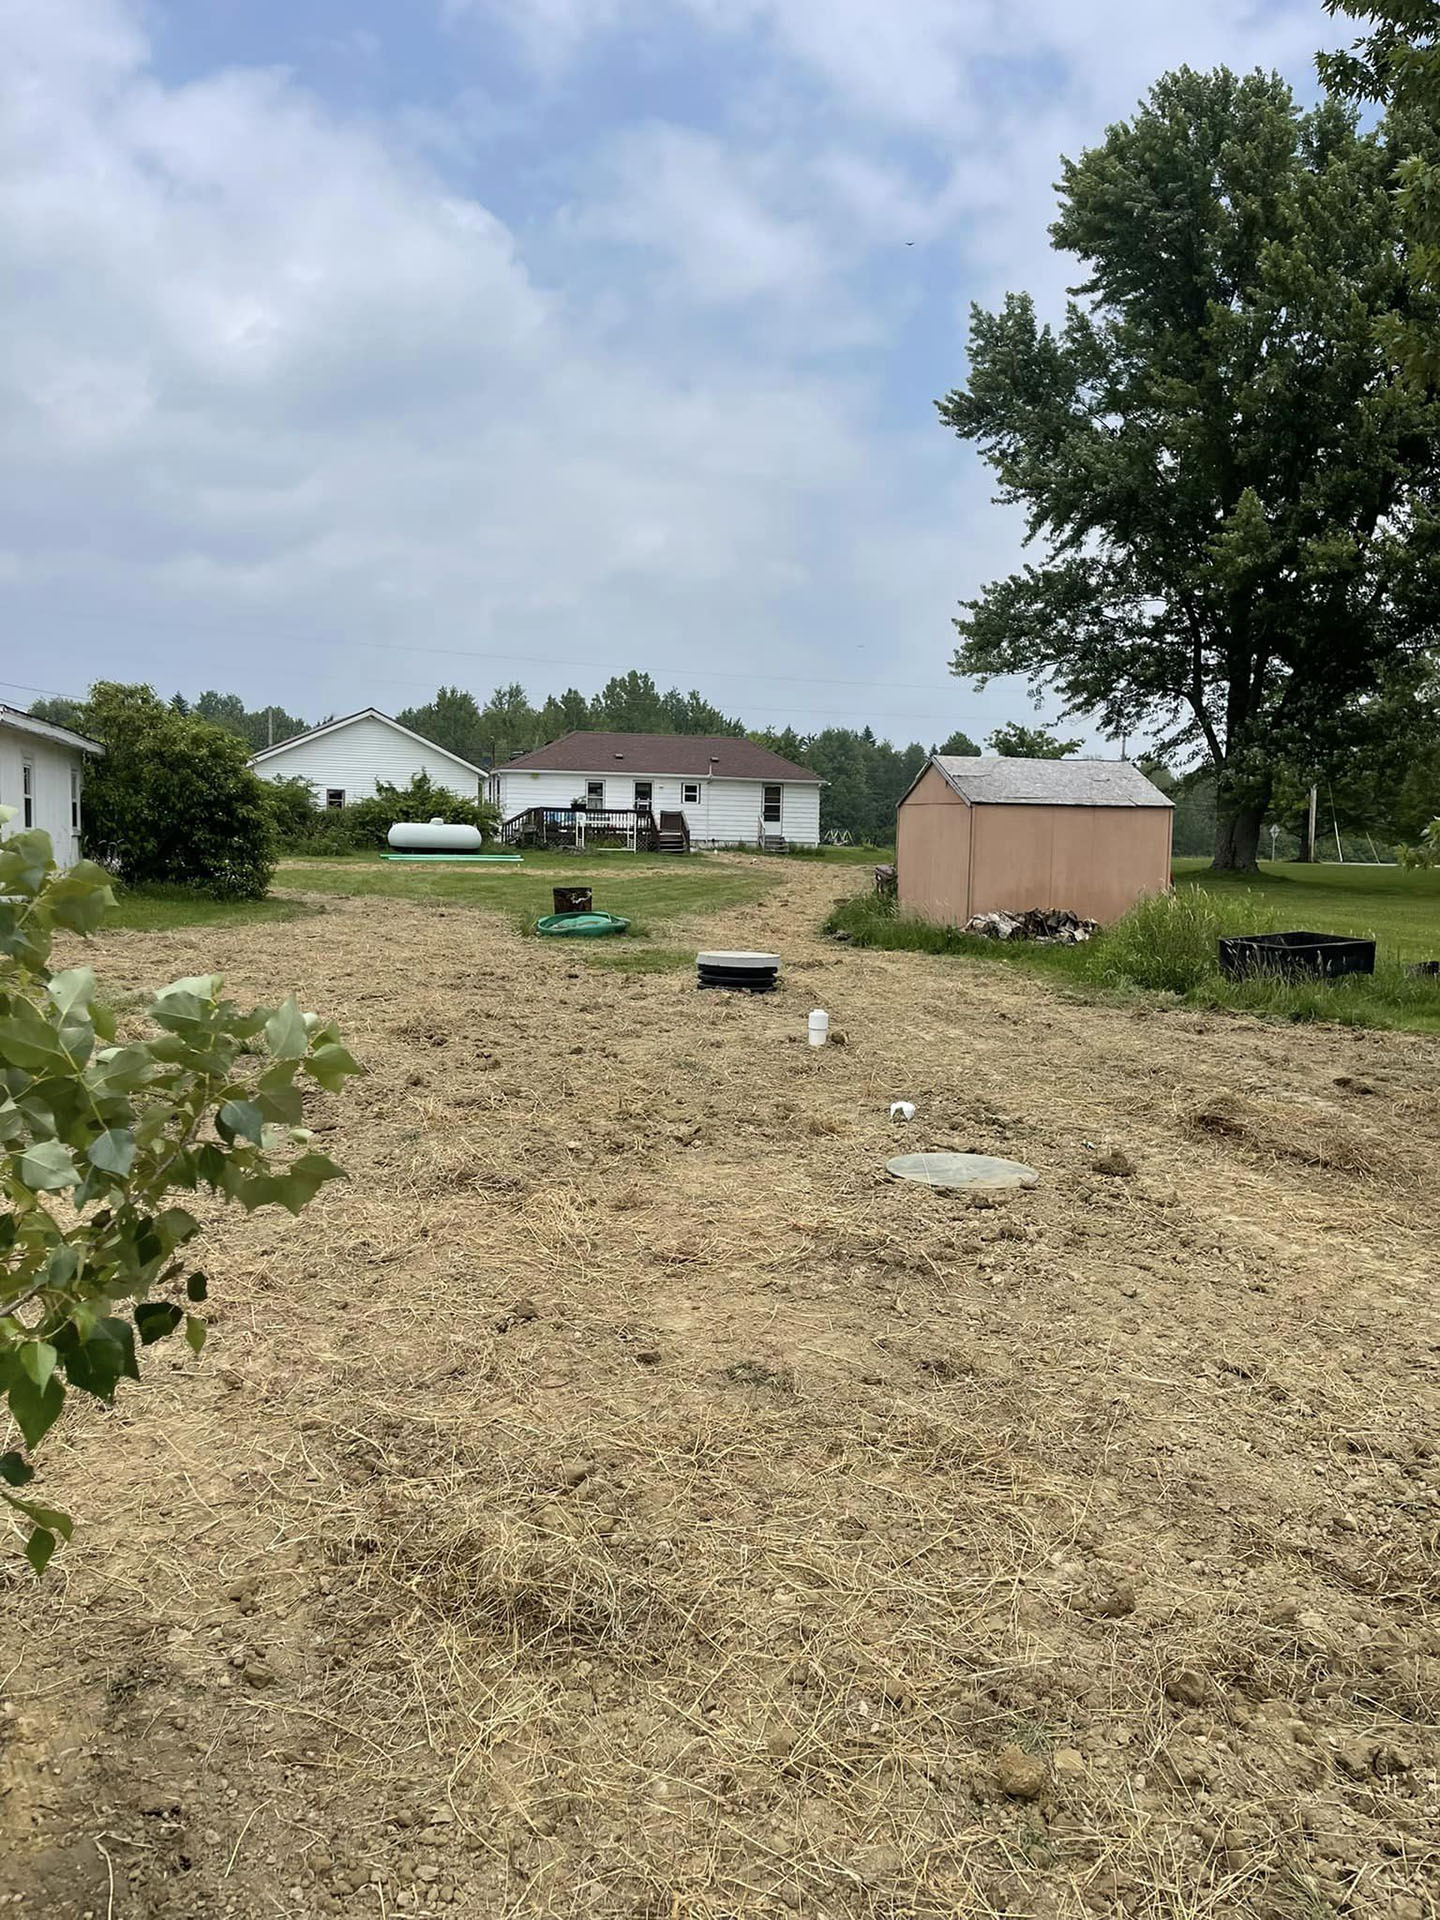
column 1015, row 741
column 261, row 727
column 1398, row 65
column 172, row 799
column 1234, row 491
column 452, row 720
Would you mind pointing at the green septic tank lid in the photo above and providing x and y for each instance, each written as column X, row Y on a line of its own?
column 582, row 926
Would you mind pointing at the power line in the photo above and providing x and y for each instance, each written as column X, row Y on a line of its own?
column 846, row 715
column 19, row 686
column 710, row 673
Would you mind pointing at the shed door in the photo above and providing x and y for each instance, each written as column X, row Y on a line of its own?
column 772, row 798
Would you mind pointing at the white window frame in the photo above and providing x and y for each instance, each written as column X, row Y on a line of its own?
column 75, row 799
column 334, row 798
column 768, row 787
column 690, row 793
column 595, row 794
column 27, row 793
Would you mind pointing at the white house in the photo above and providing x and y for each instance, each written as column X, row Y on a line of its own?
column 344, row 759
column 731, row 791
column 42, row 775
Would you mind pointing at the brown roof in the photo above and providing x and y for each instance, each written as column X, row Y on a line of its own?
column 688, row 754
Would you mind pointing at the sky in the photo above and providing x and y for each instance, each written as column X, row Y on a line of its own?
column 353, row 347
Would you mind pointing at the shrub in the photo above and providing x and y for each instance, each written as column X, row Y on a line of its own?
column 365, row 823
column 1426, row 853
column 292, row 807
column 173, row 800
column 96, row 1137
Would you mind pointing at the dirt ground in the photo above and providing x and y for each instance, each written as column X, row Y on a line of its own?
column 624, row 1500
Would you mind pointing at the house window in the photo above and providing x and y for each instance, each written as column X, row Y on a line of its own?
column 74, row 799
column 335, row 796
column 690, row 794
column 594, row 793
column 644, row 793
column 27, row 792
column 770, row 809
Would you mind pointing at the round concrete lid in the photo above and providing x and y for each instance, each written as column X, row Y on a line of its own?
column 978, row 1171
column 739, row 961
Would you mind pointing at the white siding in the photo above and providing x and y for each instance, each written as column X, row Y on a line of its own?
column 51, row 765
column 727, row 815
column 354, row 757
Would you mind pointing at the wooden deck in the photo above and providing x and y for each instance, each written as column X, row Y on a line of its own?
column 637, row 828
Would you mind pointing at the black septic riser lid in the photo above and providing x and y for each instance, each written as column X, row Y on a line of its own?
column 739, row 972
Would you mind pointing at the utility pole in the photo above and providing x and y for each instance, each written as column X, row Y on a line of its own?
column 270, row 726
column 1308, row 852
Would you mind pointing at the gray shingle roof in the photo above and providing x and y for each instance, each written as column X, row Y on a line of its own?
column 1048, row 783
column 687, row 754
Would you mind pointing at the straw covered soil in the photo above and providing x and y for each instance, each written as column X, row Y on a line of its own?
column 623, row 1500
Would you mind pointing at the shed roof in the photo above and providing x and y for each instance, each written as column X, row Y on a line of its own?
column 1000, row 782
column 19, row 722
column 692, row 755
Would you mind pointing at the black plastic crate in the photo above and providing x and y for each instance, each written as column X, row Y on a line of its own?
column 1295, row 956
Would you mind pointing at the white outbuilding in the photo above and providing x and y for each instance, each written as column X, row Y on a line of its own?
column 42, row 776
column 343, row 759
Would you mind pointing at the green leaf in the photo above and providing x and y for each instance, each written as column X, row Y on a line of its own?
column 35, row 1409
column 80, row 899
column 332, row 1064
column 113, row 1151
column 286, row 1034
column 48, row 1517
column 97, row 1363
column 15, row 1470
column 47, row 1167
column 197, row 1288
column 155, row 1319
column 40, row 1549
column 240, row 1117
column 284, row 1106
column 175, row 1226
column 27, row 1040
column 73, row 988
column 202, row 988
column 194, row 1333
column 37, row 1359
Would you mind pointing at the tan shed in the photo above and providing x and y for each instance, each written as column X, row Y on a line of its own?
column 977, row 835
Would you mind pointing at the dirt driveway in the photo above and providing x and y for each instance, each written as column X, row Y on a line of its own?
column 622, row 1500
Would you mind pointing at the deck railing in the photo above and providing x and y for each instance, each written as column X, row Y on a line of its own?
column 581, row 826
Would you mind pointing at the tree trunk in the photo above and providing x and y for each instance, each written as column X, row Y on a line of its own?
column 1237, row 838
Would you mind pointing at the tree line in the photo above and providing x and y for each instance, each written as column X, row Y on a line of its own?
column 865, row 777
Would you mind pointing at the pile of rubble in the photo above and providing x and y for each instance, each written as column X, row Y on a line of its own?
column 1050, row 925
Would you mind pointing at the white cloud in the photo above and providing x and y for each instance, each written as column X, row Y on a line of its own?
column 269, row 387
column 282, row 399
column 713, row 214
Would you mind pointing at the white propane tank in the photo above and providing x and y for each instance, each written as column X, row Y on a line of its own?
column 409, row 836
column 819, row 1025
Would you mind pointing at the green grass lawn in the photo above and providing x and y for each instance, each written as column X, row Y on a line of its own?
column 1399, row 906
column 160, row 909
column 1170, row 944
column 646, row 889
